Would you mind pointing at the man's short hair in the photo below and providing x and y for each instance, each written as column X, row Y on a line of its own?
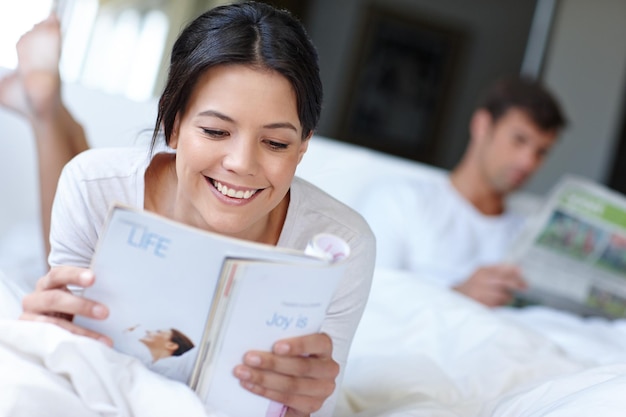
column 526, row 94
column 183, row 342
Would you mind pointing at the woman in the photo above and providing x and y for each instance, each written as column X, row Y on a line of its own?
column 242, row 99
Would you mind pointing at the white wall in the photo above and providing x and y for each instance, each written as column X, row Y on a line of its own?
column 586, row 67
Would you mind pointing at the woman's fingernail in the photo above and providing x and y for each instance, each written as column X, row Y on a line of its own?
column 242, row 374
column 281, row 348
column 253, row 360
column 99, row 312
column 106, row 341
column 86, row 277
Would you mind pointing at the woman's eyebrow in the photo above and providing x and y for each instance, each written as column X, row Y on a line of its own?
column 217, row 114
column 281, row 125
column 222, row 116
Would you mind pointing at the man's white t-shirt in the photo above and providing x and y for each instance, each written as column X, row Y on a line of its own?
column 427, row 227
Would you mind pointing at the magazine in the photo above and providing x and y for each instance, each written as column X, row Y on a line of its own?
column 573, row 253
column 189, row 303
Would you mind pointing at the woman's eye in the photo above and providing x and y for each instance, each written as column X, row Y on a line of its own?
column 276, row 145
column 217, row 134
column 519, row 139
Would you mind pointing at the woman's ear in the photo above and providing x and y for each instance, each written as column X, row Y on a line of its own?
column 173, row 142
column 304, row 145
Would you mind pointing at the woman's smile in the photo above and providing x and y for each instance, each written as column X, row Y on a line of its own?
column 231, row 191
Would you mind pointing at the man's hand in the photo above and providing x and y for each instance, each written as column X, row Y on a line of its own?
column 299, row 373
column 493, row 285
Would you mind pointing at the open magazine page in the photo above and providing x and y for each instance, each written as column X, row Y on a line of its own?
column 158, row 278
column 573, row 255
column 263, row 302
column 256, row 304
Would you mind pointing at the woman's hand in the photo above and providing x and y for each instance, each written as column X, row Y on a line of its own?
column 52, row 302
column 299, row 373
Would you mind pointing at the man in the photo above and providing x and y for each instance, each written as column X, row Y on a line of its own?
column 455, row 231
column 162, row 351
column 166, row 343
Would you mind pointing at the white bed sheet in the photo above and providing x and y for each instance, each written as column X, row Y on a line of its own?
column 426, row 351
column 420, row 351
column 47, row 371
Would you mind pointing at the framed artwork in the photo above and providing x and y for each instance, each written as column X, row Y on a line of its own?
column 399, row 84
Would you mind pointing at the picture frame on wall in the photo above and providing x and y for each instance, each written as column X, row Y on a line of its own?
column 398, row 89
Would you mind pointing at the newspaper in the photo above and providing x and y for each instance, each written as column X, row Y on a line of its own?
column 573, row 253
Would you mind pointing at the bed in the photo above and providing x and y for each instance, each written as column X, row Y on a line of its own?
column 420, row 350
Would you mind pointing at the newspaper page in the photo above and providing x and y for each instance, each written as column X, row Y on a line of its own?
column 573, row 254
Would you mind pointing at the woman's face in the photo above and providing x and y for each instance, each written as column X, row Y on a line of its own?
column 237, row 146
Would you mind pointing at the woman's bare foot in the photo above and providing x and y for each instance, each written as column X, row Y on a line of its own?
column 12, row 94
column 34, row 88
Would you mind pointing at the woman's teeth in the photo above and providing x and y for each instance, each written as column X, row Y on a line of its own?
column 233, row 193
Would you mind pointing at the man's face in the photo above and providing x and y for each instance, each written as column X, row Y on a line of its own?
column 159, row 339
column 511, row 149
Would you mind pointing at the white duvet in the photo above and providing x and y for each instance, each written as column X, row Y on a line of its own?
column 420, row 351
column 46, row 371
column 426, row 351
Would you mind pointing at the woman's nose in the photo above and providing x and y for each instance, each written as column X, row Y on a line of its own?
column 242, row 156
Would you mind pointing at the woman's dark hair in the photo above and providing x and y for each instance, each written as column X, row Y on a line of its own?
column 526, row 94
column 250, row 33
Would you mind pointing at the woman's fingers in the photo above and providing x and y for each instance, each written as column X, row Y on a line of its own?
column 63, row 276
column 299, row 372
column 62, row 301
column 52, row 301
column 294, row 383
column 67, row 325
